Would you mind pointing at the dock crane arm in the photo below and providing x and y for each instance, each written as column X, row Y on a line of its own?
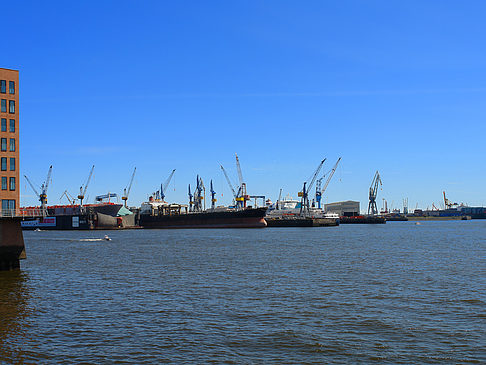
column 48, row 179
column 229, row 182
column 330, row 176
column 309, row 187
column 31, row 185
column 238, row 167
column 83, row 191
column 165, row 185
column 127, row 190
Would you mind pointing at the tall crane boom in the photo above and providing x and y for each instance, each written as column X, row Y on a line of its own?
column 229, row 182
column 163, row 187
column 43, row 190
column 32, row 186
column 238, row 168
column 82, row 191
column 126, row 191
column 319, row 191
column 307, row 187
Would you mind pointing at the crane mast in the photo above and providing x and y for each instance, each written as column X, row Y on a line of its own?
column 191, row 202
column 229, row 183
column 242, row 197
column 304, row 194
column 164, row 187
column 126, row 191
column 319, row 191
column 213, row 196
column 43, row 191
column 373, row 192
column 82, row 191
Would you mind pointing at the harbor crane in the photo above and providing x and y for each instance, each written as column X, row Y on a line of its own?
column 447, row 203
column 69, row 197
column 82, row 190
column 126, row 191
column 304, row 193
column 213, row 196
column 373, row 192
column 242, row 197
column 191, row 201
column 43, row 188
column 163, row 187
column 235, row 195
column 319, row 191
column 199, row 193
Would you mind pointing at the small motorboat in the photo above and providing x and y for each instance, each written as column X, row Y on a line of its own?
column 106, row 238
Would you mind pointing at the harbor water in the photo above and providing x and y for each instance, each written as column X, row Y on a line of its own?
column 392, row 293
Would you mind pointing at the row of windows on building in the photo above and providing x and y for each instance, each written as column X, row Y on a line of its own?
column 3, row 164
column 3, row 87
column 8, row 204
column 3, row 144
column 11, row 125
column 11, row 106
column 8, row 183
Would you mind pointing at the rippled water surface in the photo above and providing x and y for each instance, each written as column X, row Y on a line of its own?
column 394, row 293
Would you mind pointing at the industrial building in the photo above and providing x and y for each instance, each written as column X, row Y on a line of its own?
column 9, row 141
column 347, row 208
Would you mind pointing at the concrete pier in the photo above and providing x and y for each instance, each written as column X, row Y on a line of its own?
column 12, row 248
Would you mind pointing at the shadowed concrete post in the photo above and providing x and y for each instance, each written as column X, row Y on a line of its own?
column 12, row 247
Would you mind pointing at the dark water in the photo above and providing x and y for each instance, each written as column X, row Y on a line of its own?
column 394, row 293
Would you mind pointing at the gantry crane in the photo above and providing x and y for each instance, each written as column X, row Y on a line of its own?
column 82, row 189
column 373, row 192
column 304, row 206
column 126, row 191
column 43, row 188
column 319, row 191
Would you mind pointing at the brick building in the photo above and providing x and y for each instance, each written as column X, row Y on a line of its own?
column 9, row 141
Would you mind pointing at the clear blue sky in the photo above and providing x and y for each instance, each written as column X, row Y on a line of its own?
column 398, row 87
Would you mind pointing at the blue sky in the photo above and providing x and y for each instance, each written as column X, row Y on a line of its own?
column 397, row 87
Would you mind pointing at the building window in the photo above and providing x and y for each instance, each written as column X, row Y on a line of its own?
column 3, row 86
column 12, row 163
column 4, row 144
column 4, row 164
column 12, row 144
column 3, row 106
column 11, row 87
column 4, row 183
column 12, row 125
column 11, row 106
column 4, row 125
column 12, row 184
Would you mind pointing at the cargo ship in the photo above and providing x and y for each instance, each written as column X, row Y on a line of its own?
column 160, row 214
column 76, row 217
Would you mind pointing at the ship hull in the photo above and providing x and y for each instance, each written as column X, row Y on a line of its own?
column 249, row 218
column 69, row 217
